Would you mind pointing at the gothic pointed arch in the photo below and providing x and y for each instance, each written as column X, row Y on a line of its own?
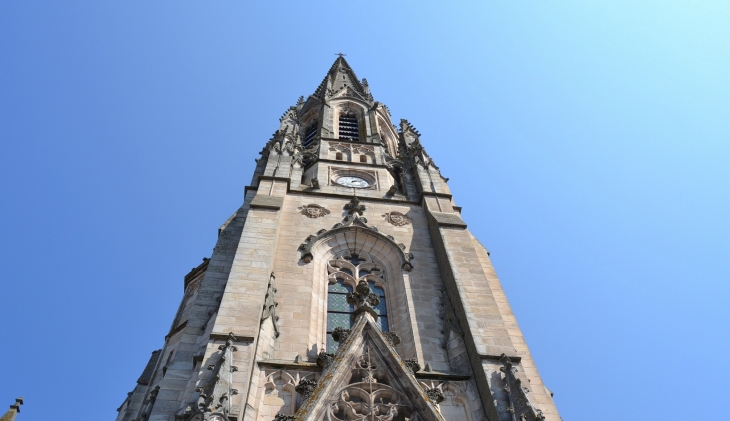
column 350, row 122
column 350, row 237
column 367, row 379
column 354, row 224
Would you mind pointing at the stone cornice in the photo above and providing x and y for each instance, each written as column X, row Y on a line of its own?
column 356, row 164
column 352, row 142
column 499, row 357
column 339, row 195
column 290, row 365
column 452, row 220
column 267, row 202
column 307, row 366
column 224, row 337
column 434, row 375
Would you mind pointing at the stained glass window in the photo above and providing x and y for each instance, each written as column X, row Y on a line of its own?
column 339, row 312
column 381, row 308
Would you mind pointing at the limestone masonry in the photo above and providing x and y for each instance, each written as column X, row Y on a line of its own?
column 346, row 287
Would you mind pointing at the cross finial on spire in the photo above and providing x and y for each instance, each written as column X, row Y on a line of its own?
column 340, row 54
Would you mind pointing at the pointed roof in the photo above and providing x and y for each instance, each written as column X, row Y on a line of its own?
column 339, row 77
column 14, row 409
column 367, row 375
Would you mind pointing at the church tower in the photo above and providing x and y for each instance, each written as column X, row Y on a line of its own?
column 346, row 287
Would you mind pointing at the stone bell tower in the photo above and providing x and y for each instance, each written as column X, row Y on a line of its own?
column 346, row 287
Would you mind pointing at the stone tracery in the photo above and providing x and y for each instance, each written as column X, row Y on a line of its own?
column 349, row 275
column 368, row 395
column 281, row 390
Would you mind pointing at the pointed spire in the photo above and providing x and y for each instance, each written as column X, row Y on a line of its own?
column 14, row 409
column 340, row 76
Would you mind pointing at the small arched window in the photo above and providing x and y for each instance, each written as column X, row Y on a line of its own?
column 346, row 271
column 363, row 158
column 338, row 156
column 348, row 126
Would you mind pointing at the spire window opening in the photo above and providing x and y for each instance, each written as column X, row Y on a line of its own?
column 363, row 158
column 338, row 156
column 348, row 126
column 310, row 134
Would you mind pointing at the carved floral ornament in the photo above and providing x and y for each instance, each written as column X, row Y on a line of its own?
column 313, row 211
column 398, row 219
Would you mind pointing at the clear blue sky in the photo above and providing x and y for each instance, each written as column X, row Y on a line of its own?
column 588, row 142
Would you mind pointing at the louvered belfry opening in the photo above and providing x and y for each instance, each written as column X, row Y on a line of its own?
column 310, row 134
column 348, row 126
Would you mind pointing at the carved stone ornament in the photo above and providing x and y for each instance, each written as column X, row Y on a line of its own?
column 270, row 306
column 412, row 365
column 363, row 300
column 392, row 338
column 520, row 405
column 324, row 359
column 305, row 387
column 353, row 220
column 354, row 207
column 397, row 219
column 313, row 211
column 340, row 334
column 215, row 393
column 282, row 417
column 436, row 395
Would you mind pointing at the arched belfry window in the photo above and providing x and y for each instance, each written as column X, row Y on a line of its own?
column 310, row 134
column 348, row 126
column 345, row 271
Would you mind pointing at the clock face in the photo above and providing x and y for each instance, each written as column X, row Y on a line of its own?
column 351, row 181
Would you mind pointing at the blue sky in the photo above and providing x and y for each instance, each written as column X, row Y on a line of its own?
column 588, row 143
